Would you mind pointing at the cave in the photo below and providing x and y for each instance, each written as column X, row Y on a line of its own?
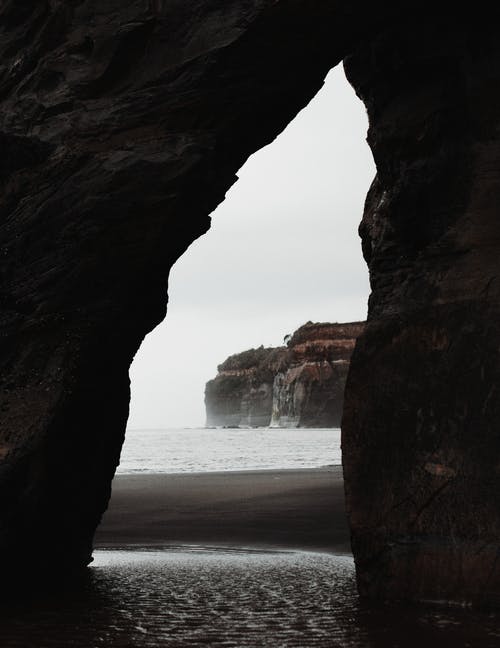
column 122, row 128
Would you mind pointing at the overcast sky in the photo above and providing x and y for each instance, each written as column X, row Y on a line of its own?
column 283, row 249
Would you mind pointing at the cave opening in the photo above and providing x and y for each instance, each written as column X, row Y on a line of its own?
column 123, row 128
column 283, row 250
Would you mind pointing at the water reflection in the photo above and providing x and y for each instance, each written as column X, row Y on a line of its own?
column 199, row 597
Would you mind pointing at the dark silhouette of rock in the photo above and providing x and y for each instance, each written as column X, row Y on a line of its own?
column 122, row 126
column 300, row 385
column 420, row 429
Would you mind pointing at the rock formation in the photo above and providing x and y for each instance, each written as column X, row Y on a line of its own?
column 300, row 385
column 122, row 126
column 420, row 429
column 308, row 391
column 242, row 392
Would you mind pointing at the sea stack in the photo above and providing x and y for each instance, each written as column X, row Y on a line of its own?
column 297, row 385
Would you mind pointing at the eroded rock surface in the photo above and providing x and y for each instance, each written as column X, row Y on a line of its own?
column 300, row 385
column 308, row 391
column 242, row 392
column 420, row 430
column 122, row 126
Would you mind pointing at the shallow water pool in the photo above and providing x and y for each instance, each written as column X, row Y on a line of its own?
column 198, row 596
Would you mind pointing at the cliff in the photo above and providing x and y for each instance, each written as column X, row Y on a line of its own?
column 300, row 385
column 242, row 391
column 308, row 391
column 123, row 125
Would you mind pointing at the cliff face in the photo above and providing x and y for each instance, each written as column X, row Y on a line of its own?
column 422, row 401
column 300, row 385
column 308, row 391
column 242, row 391
column 122, row 126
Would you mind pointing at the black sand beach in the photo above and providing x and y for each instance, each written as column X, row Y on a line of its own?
column 289, row 509
column 233, row 586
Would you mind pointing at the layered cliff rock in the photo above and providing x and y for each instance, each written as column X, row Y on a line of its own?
column 242, row 392
column 308, row 391
column 122, row 126
column 300, row 385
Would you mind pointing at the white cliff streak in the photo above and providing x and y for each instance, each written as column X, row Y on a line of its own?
column 300, row 385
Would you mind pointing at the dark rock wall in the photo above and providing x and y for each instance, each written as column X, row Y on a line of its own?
column 300, row 385
column 122, row 126
column 420, row 429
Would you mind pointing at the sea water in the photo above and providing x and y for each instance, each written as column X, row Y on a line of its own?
column 186, row 597
column 205, row 450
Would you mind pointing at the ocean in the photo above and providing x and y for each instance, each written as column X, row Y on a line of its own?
column 179, row 450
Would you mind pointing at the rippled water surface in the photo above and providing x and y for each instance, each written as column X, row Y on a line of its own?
column 205, row 450
column 201, row 597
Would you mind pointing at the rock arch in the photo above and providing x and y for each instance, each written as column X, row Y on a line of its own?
column 122, row 127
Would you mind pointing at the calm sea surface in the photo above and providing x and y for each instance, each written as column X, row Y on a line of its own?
column 204, row 450
column 238, row 599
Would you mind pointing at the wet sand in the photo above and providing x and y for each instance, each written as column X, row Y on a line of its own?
column 289, row 509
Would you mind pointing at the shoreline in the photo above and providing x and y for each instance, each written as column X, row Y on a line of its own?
column 292, row 509
column 145, row 473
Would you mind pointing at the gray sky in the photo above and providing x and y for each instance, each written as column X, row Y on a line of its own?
column 283, row 249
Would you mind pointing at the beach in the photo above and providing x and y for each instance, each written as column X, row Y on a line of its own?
column 266, row 509
column 239, row 559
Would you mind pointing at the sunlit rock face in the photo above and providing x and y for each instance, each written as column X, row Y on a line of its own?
column 300, row 385
column 122, row 126
column 421, row 435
